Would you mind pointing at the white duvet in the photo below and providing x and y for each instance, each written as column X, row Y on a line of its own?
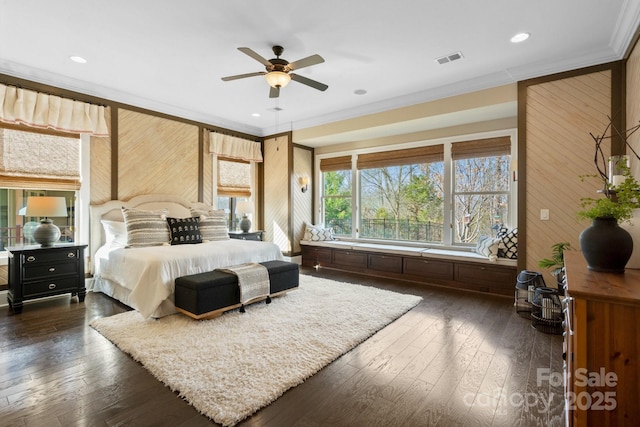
column 149, row 272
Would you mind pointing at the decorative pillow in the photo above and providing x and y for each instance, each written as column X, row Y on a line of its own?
column 115, row 232
column 488, row 246
column 146, row 228
column 316, row 233
column 184, row 230
column 212, row 225
column 508, row 247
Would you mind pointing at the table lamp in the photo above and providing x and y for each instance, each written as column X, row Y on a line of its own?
column 47, row 233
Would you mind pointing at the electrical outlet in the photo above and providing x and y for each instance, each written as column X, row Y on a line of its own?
column 544, row 214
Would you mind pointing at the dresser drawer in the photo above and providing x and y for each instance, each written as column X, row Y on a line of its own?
column 50, row 287
column 50, row 269
column 386, row 263
column 429, row 268
column 32, row 257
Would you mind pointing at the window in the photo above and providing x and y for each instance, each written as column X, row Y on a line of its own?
column 447, row 194
column 36, row 164
column 337, row 194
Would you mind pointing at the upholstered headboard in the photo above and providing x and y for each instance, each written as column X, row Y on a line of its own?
column 112, row 210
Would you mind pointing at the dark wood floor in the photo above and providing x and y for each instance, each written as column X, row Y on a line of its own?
column 456, row 359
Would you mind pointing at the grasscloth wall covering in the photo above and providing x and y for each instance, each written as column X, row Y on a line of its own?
column 276, row 192
column 100, row 152
column 156, row 155
column 633, row 103
column 560, row 115
column 302, row 202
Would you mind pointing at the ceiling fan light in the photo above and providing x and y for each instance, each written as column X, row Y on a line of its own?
column 277, row 78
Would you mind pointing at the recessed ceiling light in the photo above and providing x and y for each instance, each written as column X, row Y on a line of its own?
column 520, row 37
column 255, row 115
column 78, row 59
column 360, row 92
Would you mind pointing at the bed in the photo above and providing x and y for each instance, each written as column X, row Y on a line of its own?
column 144, row 277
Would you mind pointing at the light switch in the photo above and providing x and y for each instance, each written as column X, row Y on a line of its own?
column 544, row 214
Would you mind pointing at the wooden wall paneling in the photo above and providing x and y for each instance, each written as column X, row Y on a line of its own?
column 301, row 202
column 560, row 114
column 101, row 167
column 276, row 192
column 156, row 155
column 207, row 169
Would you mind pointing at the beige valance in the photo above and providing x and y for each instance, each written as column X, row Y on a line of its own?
column 41, row 110
column 232, row 147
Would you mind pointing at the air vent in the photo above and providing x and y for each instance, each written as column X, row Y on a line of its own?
column 275, row 109
column 449, row 58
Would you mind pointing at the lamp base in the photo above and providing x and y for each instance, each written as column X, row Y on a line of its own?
column 47, row 233
column 245, row 224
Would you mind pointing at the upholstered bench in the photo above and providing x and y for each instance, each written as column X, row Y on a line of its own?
column 210, row 294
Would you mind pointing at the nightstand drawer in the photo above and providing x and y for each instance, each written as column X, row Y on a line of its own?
column 42, row 270
column 31, row 257
column 50, row 287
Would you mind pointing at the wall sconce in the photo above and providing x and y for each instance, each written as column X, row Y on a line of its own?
column 304, row 183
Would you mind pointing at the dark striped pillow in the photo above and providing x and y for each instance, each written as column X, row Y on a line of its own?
column 146, row 228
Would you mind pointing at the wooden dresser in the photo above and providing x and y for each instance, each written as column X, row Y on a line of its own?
column 601, row 346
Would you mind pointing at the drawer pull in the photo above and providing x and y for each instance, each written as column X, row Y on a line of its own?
column 52, row 269
column 31, row 258
column 71, row 255
column 52, row 285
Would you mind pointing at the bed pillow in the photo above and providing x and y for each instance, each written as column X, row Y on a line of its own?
column 212, row 224
column 115, row 232
column 146, row 228
column 508, row 247
column 488, row 246
column 184, row 230
column 316, row 233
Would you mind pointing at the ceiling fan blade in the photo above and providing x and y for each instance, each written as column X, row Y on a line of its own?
column 243, row 76
column 307, row 81
column 255, row 55
column 305, row 62
column 274, row 92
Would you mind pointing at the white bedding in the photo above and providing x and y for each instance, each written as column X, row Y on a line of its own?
column 148, row 273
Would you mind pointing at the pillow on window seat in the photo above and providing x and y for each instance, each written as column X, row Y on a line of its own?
column 316, row 233
column 508, row 247
column 488, row 246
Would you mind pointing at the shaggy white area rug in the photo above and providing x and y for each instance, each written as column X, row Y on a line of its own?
column 231, row 366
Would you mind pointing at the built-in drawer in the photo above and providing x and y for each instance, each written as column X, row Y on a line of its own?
column 50, row 255
column 494, row 277
column 349, row 258
column 387, row 263
column 42, row 270
column 315, row 255
column 429, row 268
column 50, row 287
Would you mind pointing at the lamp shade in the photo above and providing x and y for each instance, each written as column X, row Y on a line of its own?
column 277, row 78
column 47, row 207
column 244, row 207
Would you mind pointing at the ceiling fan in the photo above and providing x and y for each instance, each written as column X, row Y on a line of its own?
column 278, row 72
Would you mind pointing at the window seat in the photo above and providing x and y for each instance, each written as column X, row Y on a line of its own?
column 445, row 267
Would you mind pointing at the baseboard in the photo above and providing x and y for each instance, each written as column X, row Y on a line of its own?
column 3, row 298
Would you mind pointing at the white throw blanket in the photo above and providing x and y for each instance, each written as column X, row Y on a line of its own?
column 253, row 280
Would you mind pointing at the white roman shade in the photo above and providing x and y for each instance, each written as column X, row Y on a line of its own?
column 234, row 158
column 29, row 160
column 41, row 110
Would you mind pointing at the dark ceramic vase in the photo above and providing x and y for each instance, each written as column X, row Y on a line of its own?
column 606, row 246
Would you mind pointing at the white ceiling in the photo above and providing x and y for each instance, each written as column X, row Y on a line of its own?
column 169, row 56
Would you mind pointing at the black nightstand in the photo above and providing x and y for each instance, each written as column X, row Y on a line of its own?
column 36, row 272
column 250, row 235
